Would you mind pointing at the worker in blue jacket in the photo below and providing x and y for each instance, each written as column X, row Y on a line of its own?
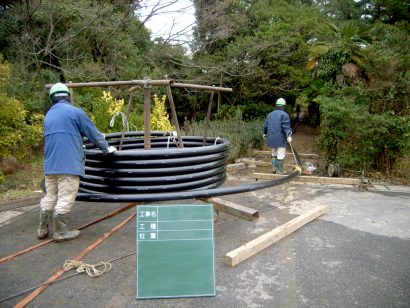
column 277, row 132
column 64, row 129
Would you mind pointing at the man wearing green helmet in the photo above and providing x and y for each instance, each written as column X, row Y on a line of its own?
column 64, row 129
column 277, row 132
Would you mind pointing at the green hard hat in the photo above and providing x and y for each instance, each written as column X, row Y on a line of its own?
column 59, row 88
column 280, row 102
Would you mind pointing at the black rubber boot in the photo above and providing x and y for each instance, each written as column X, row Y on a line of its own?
column 42, row 231
column 61, row 232
column 274, row 164
column 279, row 166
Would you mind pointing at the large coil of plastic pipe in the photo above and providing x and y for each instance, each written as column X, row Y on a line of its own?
column 162, row 173
column 165, row 167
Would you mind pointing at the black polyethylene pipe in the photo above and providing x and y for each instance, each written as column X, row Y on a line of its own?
column 164, row 172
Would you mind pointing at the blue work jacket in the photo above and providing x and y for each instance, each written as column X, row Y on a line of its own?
column 64, row 129
column 277, row 128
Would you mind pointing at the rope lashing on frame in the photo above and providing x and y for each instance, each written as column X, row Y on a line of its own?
column 90, row 269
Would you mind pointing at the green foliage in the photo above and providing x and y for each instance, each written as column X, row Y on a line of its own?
column 242, row 135
column 12, row 115
column 357, row 54
column 19, row 136
column 355, row 138
column 387, row 90
column 261, row 54
column 49, row 41
column 251, row 111
column 347, row 45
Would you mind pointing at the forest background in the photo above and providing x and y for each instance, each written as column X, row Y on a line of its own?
column 345, row 61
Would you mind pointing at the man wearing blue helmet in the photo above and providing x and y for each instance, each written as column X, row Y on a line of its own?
column 277, row 132
column 64, row 129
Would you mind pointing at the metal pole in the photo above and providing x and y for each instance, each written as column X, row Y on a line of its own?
column 174, row 116
column 147, row 115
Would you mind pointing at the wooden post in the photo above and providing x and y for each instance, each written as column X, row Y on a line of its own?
column 71, row 95
column 249, row 249
column 174, row 116
column 147, row 114
column 208, row 116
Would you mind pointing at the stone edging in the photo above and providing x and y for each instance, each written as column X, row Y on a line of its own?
column 9, row 205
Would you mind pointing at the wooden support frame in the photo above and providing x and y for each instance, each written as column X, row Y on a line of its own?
column 147, row 84
column 233, row 208
column 309, row 179
column 251, row 248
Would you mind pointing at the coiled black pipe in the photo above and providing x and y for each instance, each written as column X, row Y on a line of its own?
column 164, row 172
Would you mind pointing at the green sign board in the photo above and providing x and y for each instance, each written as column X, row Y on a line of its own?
column 175, row 251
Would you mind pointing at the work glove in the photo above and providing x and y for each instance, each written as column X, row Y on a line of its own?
column 264, row 136
column 289, row 139
column 111, row 149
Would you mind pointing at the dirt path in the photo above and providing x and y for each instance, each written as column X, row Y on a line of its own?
column 304, row 142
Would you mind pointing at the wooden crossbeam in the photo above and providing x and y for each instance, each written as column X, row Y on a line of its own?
column 232, row 208
column 300, row 154
column 309, row 179
column 251, row 248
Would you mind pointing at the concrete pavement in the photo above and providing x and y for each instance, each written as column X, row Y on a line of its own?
column 357, row 254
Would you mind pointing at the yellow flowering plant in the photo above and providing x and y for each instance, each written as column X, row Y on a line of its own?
column 104, row 109
column 159, row 116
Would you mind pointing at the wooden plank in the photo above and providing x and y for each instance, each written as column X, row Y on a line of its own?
column 310, row 179
column 300, row 154
column 233, row 209
column 251, row 248
column 255, row 162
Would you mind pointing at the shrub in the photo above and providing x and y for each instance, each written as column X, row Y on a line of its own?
column 12, row 124
column 108, row 110
column 19, row 136
column 355, row 138
column 242, row 135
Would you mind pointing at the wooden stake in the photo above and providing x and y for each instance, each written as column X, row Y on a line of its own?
column 208, row 117
column 147, row 115
column 251, row 248
column 174, row 116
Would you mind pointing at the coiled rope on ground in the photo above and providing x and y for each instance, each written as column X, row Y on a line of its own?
column 90, row 269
